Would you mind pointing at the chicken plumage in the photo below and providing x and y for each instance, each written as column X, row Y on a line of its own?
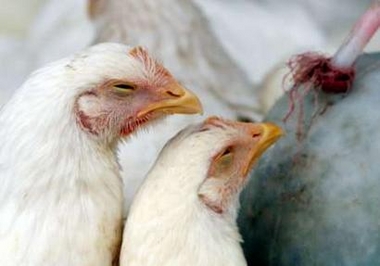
column 185, row 211
column 60, row 187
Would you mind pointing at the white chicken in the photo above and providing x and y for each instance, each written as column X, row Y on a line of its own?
column 184, row 213
column 60, row 188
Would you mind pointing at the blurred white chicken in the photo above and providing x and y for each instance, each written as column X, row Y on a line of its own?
column 60, row 29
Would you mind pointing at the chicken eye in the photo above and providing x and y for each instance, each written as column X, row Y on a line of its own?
column 226, row 152
column 124, row 87
column 225, row 159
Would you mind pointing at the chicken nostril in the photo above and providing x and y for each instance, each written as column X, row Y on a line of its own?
column 172, row 94
column 256, row 135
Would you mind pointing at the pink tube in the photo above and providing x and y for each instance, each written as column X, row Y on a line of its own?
column 359, row 37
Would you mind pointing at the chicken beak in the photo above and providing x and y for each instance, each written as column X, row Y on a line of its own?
column 270, row 133
column 181, row 101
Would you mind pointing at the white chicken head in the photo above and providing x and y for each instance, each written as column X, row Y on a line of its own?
column 213, row 159
column 123, row 88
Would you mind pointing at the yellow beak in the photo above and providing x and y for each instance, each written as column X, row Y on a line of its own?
column 181, row 101
column 270, row 133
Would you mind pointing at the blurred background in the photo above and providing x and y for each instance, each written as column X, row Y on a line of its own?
column 250, row 37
